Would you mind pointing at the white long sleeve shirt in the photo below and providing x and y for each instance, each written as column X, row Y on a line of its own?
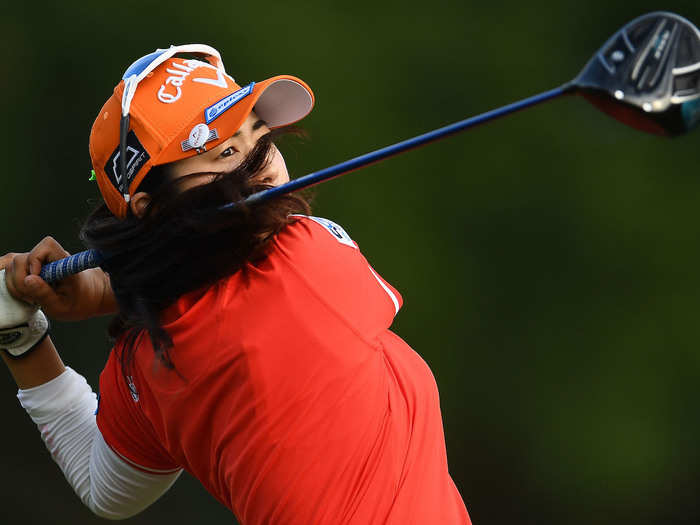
column 64, row 410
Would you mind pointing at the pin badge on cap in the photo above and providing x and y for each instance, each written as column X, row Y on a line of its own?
column 199, row 136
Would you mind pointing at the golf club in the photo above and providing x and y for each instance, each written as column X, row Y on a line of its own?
column 647, row 75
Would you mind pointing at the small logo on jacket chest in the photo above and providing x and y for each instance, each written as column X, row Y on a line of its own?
column 132, row 389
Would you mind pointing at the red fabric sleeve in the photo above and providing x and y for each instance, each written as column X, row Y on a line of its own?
column 122, row 423
column 330, row 262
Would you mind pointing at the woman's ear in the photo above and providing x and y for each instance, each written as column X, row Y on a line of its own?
column 139, row 203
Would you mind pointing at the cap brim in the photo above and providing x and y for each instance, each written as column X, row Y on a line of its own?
column 279, row 101
column 282, row 100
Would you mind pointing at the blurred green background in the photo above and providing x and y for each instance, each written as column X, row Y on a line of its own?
column 548, row 261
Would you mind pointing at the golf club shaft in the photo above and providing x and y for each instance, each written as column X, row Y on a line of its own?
column 73, row 264
column 400, row 147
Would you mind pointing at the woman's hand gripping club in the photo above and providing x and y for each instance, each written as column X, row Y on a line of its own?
column 22, row 290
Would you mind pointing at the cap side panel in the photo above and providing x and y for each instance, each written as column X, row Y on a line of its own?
column 140, row 176
column 226, row 125
column 138, row 119
column 104, row 138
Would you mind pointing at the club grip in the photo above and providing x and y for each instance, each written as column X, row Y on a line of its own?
column 71, row 265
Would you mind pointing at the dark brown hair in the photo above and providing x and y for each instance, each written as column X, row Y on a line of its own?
column 155, row 259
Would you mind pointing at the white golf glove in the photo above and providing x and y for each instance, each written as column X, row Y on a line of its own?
column 22, row 325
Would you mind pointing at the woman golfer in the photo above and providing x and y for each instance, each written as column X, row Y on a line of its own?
column 252, row 346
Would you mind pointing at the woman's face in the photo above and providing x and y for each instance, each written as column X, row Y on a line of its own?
column 229, row 154
column 224, row 158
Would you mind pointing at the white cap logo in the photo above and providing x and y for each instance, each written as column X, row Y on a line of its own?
column 199, row 135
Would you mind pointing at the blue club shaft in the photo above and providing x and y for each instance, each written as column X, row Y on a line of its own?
column 73, row 264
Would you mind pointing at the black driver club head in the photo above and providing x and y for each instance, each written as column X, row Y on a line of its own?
column 647, row 75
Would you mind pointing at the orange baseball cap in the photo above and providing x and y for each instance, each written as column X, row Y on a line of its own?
column 181, row 108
